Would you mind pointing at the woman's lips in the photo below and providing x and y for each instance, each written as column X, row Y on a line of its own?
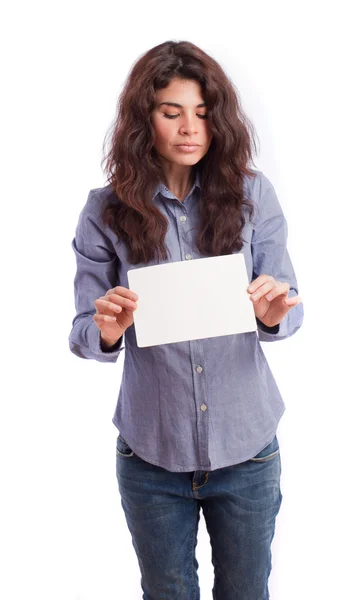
column 184, row 148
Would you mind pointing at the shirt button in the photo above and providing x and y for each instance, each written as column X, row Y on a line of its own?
column 182, row 218
column 188, row 256
column 203, row 407
column 199, row 369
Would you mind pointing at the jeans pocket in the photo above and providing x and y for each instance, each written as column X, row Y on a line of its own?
column 122, row 448
column 270, row 451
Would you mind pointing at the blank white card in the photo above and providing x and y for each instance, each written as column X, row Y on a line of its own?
column 191, row 299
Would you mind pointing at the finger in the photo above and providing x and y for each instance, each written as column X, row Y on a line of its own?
column 293, row 300
column 102, row 319
column 105, row 307
column 123, row 291
column 281, row 288
column 260, row 280
column 125, row 302
column 114, row 303
column 263, row 290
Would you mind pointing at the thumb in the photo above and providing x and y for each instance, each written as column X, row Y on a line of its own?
column 293, row 300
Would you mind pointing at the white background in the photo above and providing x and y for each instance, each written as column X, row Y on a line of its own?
column 295, row 64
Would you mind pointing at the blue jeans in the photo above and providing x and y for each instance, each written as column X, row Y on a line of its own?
column 162, row 509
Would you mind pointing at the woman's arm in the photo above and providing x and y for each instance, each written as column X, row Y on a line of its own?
column 97, row 268
column 271, row 257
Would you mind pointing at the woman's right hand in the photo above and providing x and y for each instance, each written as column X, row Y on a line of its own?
column 115, row 313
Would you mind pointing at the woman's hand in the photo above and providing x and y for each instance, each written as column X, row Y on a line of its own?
column 270, row 299
column 115, row 313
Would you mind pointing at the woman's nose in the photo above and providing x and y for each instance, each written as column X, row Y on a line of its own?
column 188, row 125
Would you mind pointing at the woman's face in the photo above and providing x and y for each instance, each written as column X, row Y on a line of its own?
column 185, row 123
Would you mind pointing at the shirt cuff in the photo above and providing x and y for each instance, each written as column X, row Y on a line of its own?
column 288, row 326
column 94, row 340
column 114, row 348
column 274, row 329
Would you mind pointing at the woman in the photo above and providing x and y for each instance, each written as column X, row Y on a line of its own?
column 197, row 420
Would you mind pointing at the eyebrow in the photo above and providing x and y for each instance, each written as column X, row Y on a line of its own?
column 180, row 105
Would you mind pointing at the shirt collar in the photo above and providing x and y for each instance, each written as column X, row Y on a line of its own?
column 166, row 192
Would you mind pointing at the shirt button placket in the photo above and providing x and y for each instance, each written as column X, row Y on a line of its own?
column 199, row 369
column 183, row 218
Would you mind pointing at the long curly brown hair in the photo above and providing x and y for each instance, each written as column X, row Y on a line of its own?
column 133, row 168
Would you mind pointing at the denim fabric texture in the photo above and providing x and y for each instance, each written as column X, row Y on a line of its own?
column 162, row 509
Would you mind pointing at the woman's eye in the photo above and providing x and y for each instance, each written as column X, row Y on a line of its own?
column 174, row 116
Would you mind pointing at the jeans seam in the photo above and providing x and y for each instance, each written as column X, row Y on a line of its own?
column 193, row 554
column 197, row 487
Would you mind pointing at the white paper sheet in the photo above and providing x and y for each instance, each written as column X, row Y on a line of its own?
column 191, row 299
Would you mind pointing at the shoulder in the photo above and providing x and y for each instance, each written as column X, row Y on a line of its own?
column 257, row 185
column 260, row 190
column 97, row 199
column 90, row 219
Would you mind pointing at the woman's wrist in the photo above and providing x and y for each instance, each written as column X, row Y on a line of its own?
column 107, row 342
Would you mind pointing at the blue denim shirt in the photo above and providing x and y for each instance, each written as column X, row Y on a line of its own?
column 200, row 404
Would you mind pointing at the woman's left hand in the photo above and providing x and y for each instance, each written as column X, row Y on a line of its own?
column 270, row 299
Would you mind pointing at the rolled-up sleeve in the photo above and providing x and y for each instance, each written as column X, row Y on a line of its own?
column 271, row 257
column 96, row 272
